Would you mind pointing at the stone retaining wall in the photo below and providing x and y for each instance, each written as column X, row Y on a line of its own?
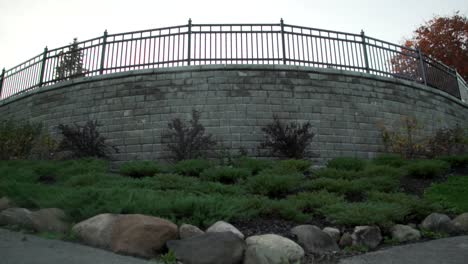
column 236, row 101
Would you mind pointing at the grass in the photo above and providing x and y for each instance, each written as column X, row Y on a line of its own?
column 200, row 192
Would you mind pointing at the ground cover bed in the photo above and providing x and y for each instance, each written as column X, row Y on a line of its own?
column 257, row 196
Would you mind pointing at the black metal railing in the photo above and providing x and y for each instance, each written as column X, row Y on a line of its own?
column 199, row 44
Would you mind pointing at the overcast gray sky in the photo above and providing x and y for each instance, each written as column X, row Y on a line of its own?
column 27, row 26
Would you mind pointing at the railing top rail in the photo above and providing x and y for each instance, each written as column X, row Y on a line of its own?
column 323, row 30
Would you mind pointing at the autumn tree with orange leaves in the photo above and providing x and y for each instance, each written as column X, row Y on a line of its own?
column 443, row 38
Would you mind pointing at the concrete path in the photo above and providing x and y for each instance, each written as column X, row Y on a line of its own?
column 452, row 250
column 18, row 248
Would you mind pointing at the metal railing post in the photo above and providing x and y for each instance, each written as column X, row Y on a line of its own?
column 364, row 51
column 44, row 59
column 282, row 41
column 2, row 79
column 103, row 55
column 421, row 64
column 189, row 48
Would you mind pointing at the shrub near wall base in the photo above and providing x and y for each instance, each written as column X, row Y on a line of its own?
column 236, row 101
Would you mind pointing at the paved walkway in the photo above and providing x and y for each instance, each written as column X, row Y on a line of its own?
column 452, row 250
column 18, row 248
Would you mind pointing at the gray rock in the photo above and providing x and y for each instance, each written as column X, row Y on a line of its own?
column 209, row 248
column 272, row 249
column 50, row 220
column 461, row 222
column 186, row 231
column 403, row 233
column 96, row 231
column 222, row 226
column 314, row 240
column 436, row 222
column 333, row 232
column 368, row 236
column 20, row 217
column 6, row 203
column 346, row 240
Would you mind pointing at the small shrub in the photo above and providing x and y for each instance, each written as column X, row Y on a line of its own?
column 365, row 213
column 333, row 173
column 191, row 167
column 188, row 142
column 87, row 179
column 382, row 171
column 225, row 174
column 18, row 139
column 452, row 194
column 427, row 169
column 254, row 165
column 85, row 141
column 447, row 141
column 287, row 140
column 294, row 165
column 352, row 187
column 309, row 202
column 392, row 160
column 273, row 185
column 347, row 163
column 138, row 169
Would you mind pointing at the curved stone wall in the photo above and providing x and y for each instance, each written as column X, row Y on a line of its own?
column 236, row 101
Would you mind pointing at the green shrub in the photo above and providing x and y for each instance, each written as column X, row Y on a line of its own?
column 273, row 185
column 254, row 165
column 191, row 167
column 18, row 139
column 347, row 163
column 225, row 174
column 458, row 161
column 352, row 187
column 451, row 194
column 309, row 202
column 392, row 160
column 365, row 213
column 427, row 169
column 295, row 165
column 382, row 171
column 138, row 169
column 333, row 173
column 87, row 179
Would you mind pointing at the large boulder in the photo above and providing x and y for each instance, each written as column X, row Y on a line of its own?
column 20, row 217
column 314, row 240
column 209, row 248
column 461, row 222
column 50, row 220
column 96, row 231
column 272, row 249
column 186, row 231
column 6, row 203
column 436, row 222
column 403, row 233
column 367, row 236
column 333, row 232
column 222, row 226
column 141, row 235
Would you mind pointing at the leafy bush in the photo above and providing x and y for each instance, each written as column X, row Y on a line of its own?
column 254, row 165
column 335, row 174
column 287, row 140
column 188, row 142
column 352, row 187
column 458, row 161
column 86, row 179
column 138, row 169
column 451, row 194
column 273, row 185
column 427, row 169
column 347, row 163
column 447, row 141
column 392, row 160
column 293, row 165
column 382, row 171
column 225, row 174
column 85, row 141
column 19, row 139
column 365, row 213
column 191, row 167
column 309, row 202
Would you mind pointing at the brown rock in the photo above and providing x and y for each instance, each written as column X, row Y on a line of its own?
column 50, row 220
column 141, row 235
column 186, row 231
column 96, row 231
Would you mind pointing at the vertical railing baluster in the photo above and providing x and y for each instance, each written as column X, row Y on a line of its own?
column 421, row 64
column 103, row 54
column 44, row 60
column 189, row 49
column 2, row 79
column 364, row 51
column 282, row 41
